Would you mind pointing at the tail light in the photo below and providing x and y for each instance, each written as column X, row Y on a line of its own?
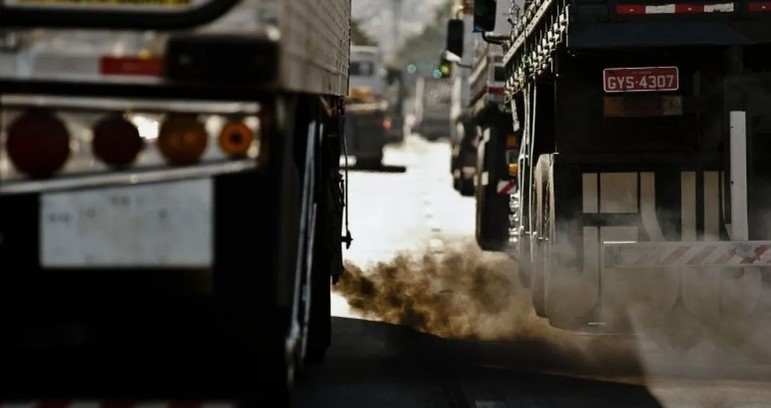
column 387, row 123
column 236, row 138
column 496, row 90
column 511, row 141
column 759, row 6
column 116, row 141
column 38, row 143
column 182, row 139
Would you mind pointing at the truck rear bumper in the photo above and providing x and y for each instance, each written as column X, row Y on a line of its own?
column 149, row 305
column 434, row 128
column 365, row 134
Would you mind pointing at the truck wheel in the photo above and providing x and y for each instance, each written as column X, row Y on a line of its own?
column 492, row 208
column 539, row 246
column 571, row 292
column 538, row 289
column 327, row 258
column 466, row 187
column 372, row 162
column 467, row 158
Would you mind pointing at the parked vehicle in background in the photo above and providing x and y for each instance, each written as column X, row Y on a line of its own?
column 367, row 108
column 395, row 95
column 463, row 130
column 433, row 100
column 483, row 129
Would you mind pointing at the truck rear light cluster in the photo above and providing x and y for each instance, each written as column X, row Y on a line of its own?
column 65, row 139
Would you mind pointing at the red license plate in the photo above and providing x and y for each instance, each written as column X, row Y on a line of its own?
column 641, row 79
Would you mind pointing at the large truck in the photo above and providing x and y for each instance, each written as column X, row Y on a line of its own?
column 170, row 197
column 367, row 107
column 643, row 177
column 433, row 98
column 484, row 131
column 495, row 145
column 463, row 132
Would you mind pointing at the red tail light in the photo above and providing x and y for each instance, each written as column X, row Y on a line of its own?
column 496, row 90
column 38, row 143
column 116, row 141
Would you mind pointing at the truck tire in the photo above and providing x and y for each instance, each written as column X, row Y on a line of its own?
column 569, row 300
column 370, row 162
column 492, row 208
column 328, row 256
column 466, row 187
column 538, row 246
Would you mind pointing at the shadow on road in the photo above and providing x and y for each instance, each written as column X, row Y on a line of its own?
column 375, row 364
column 383, row 168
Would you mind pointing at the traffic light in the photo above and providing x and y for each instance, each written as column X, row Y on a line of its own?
column 444, row 70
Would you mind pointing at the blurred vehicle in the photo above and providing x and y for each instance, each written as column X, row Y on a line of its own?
column 433, row 100
column 170, row 196
column 367, row 110
column 463, row 131
column 638, row 194
column 483, row 130
column 395, row 95
column 493, row 184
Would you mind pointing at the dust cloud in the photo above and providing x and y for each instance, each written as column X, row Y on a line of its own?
column 460, row 293
column 464, row 293
column 468, row 295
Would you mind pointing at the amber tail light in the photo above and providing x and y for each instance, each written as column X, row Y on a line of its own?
column 182, row 139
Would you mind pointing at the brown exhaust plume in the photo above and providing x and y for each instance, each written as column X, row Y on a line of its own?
column 461, row 293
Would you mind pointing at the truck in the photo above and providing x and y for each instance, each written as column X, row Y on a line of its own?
column 495, row 145
column 395, row 95
column 642, row 170
column 433, row 97
column 484, row 131
column 462, row 130
column 171, row 197
column 367, row 108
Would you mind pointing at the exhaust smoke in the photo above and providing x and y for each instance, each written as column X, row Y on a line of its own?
column 461, row 293
column 467, row 294
column 471, row 296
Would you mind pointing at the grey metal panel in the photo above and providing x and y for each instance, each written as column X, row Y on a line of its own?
column 315, row 46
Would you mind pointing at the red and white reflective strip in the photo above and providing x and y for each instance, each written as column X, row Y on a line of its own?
column 679, row 8
column 506, row 187
column 116, row 404
column 736, row 254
